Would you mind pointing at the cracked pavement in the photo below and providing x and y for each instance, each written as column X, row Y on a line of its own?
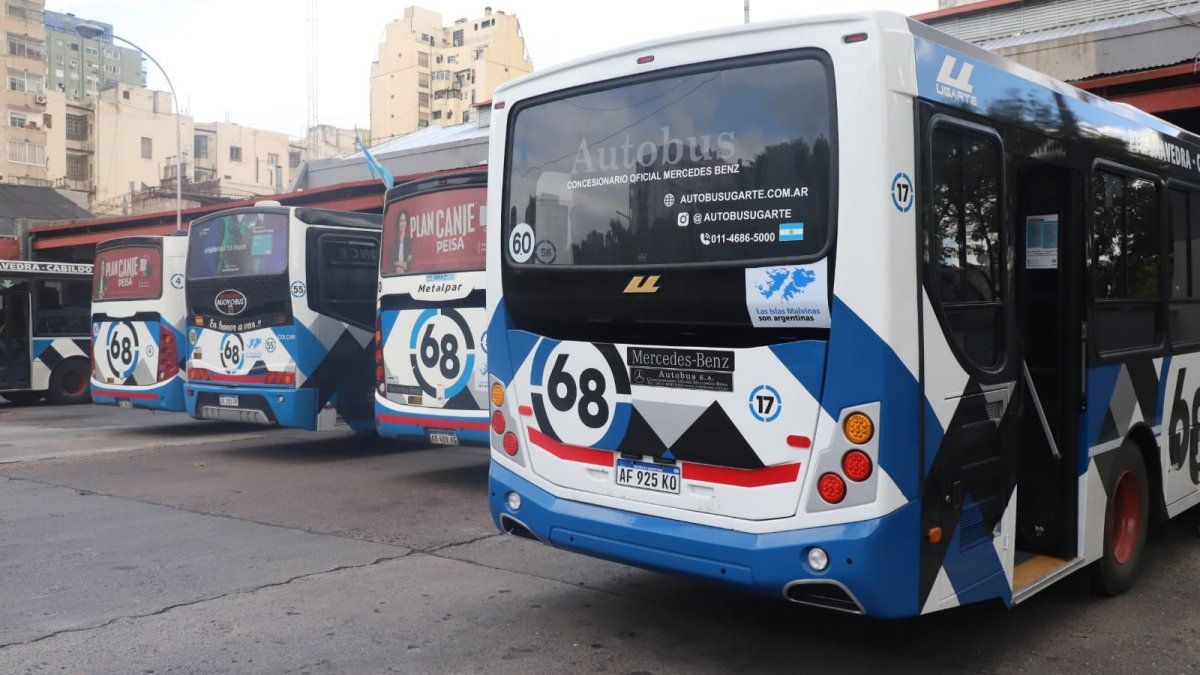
column 131, row 542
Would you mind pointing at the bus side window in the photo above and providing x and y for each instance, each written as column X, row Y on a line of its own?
column 1184, row 324
column 62, row 307
column 1126, row 253
column 348, row 266
column 963, row 255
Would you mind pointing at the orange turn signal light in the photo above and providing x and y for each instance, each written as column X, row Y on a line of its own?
column 858, row 428
column 497, row 394
column 933, row 535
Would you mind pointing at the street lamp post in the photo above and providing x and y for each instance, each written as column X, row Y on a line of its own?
column 93, row 31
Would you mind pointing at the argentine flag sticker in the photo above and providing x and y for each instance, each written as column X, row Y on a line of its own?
column 791, row 231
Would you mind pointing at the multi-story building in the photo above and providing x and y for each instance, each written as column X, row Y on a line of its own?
column 254, row 161
column 81, row 67
column 430, row 74
column 23, row 97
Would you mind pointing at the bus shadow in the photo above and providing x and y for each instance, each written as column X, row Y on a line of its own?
column 472, row 476
column 337, row 448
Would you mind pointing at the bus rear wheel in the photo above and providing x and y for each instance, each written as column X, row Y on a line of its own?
column 1126, row 519
column 69, row 383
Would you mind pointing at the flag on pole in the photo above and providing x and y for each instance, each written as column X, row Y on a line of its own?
column 375, row 167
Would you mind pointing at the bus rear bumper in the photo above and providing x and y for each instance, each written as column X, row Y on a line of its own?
column 414, row 423
column 872, row 563
column 269, row 406
column 167, row 397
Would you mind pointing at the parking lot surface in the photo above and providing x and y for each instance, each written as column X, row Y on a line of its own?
column 137, row 542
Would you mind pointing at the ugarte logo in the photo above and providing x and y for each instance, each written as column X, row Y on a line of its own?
column 957, row 87
column 669, row 150
column 230, row 302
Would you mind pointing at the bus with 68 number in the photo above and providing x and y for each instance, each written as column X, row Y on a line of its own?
column 431, row 342
column 138, row 322
column 281, row 303
column 843, row 311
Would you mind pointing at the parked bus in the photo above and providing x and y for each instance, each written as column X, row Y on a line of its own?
column 843, row 310
column 44, row 338
column 431, row 340
column 139, row 322
column 281, row 305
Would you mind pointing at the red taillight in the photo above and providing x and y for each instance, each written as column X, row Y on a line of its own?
column 510, row 444
column 199, row 374
column 857, row 465
column 498, row 422
column 831, row 487
column 379, row 354
column 284, row 378
column 168, row 354
column 799, row 441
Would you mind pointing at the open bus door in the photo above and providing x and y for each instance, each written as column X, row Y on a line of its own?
column 14, row 340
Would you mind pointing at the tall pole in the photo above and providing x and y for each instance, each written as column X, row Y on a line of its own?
column 92, row 30
column 746, row 11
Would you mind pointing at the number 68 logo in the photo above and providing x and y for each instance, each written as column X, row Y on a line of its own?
column 123, row 349
column 581, row 393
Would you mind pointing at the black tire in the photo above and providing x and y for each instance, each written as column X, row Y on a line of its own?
column 1124, row 543
column 23, row 397
column 69, row 383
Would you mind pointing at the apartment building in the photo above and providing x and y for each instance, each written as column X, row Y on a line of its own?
column 23, row 97
column 81, row 67
column 428, row 73
column 254, row 161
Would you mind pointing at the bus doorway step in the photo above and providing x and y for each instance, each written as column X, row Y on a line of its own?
column 1033, row 572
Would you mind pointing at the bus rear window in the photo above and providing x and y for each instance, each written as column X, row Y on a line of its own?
column 128, row 273
column 709, row 165
column 238, row 244
column 435, row 232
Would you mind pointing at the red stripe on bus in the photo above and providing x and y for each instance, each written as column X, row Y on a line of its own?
column 124, row 394
column 436, row 422
column 218, row 377
column 768, row 475
column 573, row 453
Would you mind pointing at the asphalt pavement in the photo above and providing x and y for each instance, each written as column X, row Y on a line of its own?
column 140, row 542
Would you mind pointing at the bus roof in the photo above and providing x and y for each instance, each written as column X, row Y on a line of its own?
column 366, row 221
column 30, row 268
column 890, row 21
column 448, row 181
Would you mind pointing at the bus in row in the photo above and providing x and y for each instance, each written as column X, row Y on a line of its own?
column 44, row 333
column 281, row 310
column 844, row 311
column 139, row 343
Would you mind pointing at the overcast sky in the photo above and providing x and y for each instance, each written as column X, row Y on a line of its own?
column 247, row 58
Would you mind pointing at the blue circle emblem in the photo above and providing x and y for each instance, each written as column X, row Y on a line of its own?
column 299, row 289
column 902, row 192
column 765, row 403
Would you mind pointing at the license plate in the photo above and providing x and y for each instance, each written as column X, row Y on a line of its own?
column 443, row 438
column 648, row 476
column 124, row 403
column 228, row 401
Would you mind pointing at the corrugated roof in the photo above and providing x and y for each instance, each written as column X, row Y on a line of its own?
column 32, row 202
column 1152, row 15
column 427, row 137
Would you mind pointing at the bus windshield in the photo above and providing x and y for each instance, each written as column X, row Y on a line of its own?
column 711, row 164
column 128, row 273
column 435, row 232
column 238, row 244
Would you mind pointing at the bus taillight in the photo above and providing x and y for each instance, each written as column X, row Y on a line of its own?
column 168, row 353
column 379, row 356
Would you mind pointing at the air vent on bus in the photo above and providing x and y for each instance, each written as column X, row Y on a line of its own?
column 826, row 594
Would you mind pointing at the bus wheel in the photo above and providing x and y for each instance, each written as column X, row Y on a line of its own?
column 1126, row 519
column 69, row 383
column 22, row 397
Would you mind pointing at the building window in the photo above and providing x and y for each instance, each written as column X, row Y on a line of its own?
column 423, row 59
column 200, row 147
column 423, row 80
column 235, row 153
column 112, row 53
column 272, row 159
column 77, row 167
column 74, row 63
column 1126, row 252
column 457, row 39
column 112, row 69
column 25, row 11
column 437, row 114
column 27, row 48
column 77, row 128
column 147, row 148
column 294, row 158
column 24, row 152
column 17, row 119
column 92, row 51
column 93, row 65
column 25, row 82
column 422, row 99
column 452, row 58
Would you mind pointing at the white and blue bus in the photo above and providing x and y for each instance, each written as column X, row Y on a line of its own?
column 138, row 322
column 844, row 311
column 431, row 331
column 44, row 335
column 281, row 303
